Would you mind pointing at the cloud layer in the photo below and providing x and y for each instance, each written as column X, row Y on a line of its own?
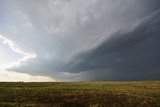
column 132, row 55
column 86, row 39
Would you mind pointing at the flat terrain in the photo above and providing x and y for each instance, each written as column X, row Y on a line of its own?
column 80, row 94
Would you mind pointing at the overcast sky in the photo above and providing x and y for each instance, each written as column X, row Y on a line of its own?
column 79, row 40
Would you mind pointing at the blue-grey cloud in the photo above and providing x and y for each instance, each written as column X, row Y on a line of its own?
column 79, row 36
column 132, row 55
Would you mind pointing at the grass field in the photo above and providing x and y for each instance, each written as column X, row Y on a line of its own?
column 80, row 94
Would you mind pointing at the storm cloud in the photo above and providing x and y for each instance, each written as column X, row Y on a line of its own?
column 133, row 55
column 84, row 39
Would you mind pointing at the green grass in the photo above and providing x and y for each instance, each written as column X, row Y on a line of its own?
column 80, row 94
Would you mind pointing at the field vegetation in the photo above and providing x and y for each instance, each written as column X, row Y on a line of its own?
column 80, row 94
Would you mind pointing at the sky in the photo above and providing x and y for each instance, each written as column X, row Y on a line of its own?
column 79, row 40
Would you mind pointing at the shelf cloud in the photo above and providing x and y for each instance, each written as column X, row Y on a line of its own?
column 84, row 40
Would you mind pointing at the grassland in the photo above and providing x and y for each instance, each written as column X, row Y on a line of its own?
column 80, row 94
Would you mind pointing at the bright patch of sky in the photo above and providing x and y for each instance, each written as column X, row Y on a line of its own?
column 9, row 57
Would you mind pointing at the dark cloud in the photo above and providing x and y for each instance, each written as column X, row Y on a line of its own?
column 134, row 55
column 77, row 39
